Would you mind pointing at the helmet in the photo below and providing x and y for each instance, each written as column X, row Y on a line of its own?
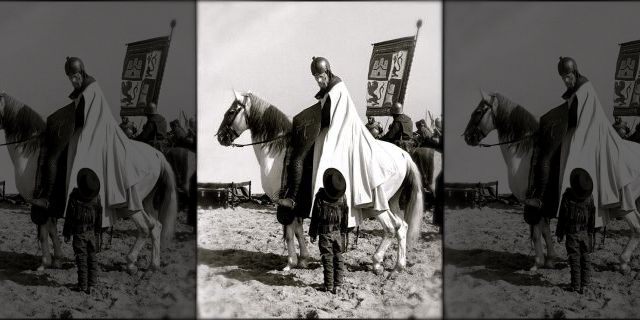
column 320, row 65
column 567, row 65
column 396, row 108
column 73, row 65
column 150, row 108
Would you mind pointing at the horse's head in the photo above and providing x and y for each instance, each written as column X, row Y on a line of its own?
column 235, row 120
column 482, row 120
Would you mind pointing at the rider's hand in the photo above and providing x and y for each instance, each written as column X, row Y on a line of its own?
column 313, row 240
column 287, row 203
column 67, row 239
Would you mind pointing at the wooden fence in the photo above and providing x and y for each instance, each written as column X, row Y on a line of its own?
column 459, row 194
column 223, row 194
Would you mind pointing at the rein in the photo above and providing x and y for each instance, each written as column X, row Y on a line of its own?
column 260, row 142
column 20, row 141
column 485, row 145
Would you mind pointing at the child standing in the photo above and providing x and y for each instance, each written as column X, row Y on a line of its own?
column 329, row 221
column 83, row 220
column 577, row 222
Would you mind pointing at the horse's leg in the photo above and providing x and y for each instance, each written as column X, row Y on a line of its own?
column 55, row 239
column 389, row 230
column 43, row 238
column 401, row 228
column 289, row 236
column 304, row 251
column 150, row 213
column 536, row 236
column 633, row 219
column 147, row 226
column 551, row 251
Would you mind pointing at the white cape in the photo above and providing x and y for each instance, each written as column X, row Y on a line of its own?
column 612, row 162
column 365, row 162
column 102, row 146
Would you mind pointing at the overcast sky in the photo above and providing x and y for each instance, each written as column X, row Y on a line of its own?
column 37, row 36
column 513, row 48
column 267, row 48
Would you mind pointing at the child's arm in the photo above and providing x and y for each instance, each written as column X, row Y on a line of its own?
column 344, row 222
column 591, row 226
column 98, row 218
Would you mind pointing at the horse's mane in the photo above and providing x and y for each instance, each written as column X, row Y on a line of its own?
column 514, row 122
column 20, row 122
column 267, row 122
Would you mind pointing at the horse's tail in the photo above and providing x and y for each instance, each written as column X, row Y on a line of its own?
column 415, row 206
column 169, row 203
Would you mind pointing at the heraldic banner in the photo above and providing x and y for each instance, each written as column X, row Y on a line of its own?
column 388, row 74
column 627, row 80
column 142, row 74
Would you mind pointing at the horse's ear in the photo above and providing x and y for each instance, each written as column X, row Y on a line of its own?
column 485, row 95
column 238, row 95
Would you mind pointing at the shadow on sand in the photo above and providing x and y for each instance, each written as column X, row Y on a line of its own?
column 18, row 267
column 497, row 265
column 250, row 265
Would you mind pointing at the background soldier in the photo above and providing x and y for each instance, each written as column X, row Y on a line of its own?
column 128, row 127
column 154, row 131
column 374, row 127
column 401, row 129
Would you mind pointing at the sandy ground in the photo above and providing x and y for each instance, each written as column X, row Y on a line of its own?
column 487, row 257
column 26, row 293
column 241, row 253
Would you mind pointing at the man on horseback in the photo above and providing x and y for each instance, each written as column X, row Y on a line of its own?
column 554, row 125
column 60, row 126
column 345, row 143
column 154, row 131
column 401, row 129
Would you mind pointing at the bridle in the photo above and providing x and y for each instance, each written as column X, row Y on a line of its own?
column 231, row 116
column 486, row 106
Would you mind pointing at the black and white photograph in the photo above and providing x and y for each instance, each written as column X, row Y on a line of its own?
column 97, row 150
column 542, row 170
column 319, row 156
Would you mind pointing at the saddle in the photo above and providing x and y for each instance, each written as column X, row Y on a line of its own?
column 52, row 162
column 544, row 173
column 298, row 163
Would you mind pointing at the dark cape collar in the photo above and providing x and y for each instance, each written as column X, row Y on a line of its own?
column 85, row 83
column 579, row 82
column 334, row 80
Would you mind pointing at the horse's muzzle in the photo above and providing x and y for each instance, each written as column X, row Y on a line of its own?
column 473, row 138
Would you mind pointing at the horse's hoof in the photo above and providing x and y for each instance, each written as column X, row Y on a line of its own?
column 132, row 269
column 534, row 268
column 378, row 270
column 625, row 268
column 303, row 263
column 41, row 268
column 287, row 268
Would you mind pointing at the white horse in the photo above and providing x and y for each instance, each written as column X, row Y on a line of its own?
column 24, row 130
column 516, row 129
column 266, row 122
